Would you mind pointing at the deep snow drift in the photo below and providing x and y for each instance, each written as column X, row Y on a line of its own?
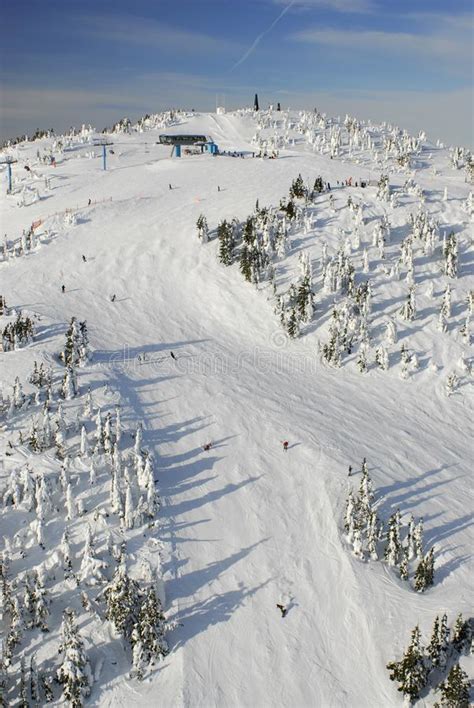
column 242, row 526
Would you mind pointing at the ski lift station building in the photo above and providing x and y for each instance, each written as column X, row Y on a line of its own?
column 178, row 140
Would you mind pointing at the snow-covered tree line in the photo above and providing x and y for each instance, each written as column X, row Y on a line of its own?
column 44, row 430
column 260, row 241
column 348, row 137
column 27, row 243
column 18, row 333
column 99, row 483
column 436, row 664
column 398, row 545
column 263, row 238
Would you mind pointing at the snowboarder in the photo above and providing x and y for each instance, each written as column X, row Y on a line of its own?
column 282, row 609
column 113, row 298
column 173, row 356
column 207, row 447
column 285, row 445
column 63, row 288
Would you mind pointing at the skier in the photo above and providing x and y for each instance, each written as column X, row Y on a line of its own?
column 282, row 609
column 173, row 356
column 113, row 298
column 170, row 186
column 285, row 445
column 84, row 258
column 207, row 447
column 89, row 202
column 350, row 471
column 218, row 188
column 63, row 288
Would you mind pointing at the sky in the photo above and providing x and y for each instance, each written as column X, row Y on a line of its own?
column 408, row 62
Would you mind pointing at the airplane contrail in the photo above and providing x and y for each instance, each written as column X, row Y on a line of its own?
column 257, row 41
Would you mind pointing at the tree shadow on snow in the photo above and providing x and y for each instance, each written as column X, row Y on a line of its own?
column 436, row 535
column 188, row 584
column 397, row 488
column 217, row 609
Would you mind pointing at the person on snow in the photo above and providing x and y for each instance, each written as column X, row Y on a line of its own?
column 63, row 288
column 283, row 609
column 84, row 258
column 285, row 445
column 207, row 447
column 173, row 356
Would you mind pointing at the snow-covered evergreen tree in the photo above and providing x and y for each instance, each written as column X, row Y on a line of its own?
column 418, row 539
column 226, row 243
column 452, row 383
column 66, row 553
column 293, row 325
column 422, row 576
column 70, row 504
column 408, row 311
column 122, row 601
column 202, row 229
column 410, row 672
column 434, row 647
column 92, row 568
column 455, row 690
column 148, row 634
column 393, row 548
column 138, row 439
column 450, row 253
column 34, row 682
column 443, row 643
column 74, row 674
column 462, row 635
column 84, row 442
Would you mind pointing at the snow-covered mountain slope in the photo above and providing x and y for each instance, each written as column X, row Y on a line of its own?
column 243, row 525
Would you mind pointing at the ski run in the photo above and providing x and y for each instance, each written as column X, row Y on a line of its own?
column 236, row 416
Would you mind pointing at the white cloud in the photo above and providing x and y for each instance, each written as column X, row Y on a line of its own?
column 400, row 43
column 346, row 6
column 130, row 29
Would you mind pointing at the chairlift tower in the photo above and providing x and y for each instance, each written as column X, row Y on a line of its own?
column 105, row 143
column 8, row 161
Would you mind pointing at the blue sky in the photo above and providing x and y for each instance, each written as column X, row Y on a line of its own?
column 66, row 62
